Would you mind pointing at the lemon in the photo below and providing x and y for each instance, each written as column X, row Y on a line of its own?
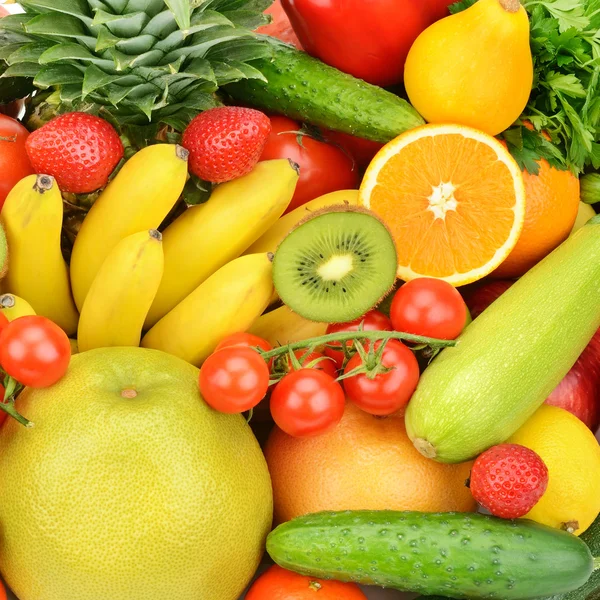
column 572, row 455
column 130, row 487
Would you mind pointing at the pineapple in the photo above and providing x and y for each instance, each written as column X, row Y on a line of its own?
column 134, row 62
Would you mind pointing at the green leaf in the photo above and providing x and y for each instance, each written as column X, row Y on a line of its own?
column 460, row 6
column 57, row 75
column 569, row 13
column 196, row 191
column 77, row 8
column 8, row 49
column 150, row 7
column 161, row 25
column 73, row 52
column 125, row 26
column 182, row 11
column 56, row 24
column 22, row 70
column 567, row 84
column 94, row 79
column 247, row 18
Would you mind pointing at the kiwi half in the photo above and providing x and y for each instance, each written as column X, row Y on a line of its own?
column 336, row 265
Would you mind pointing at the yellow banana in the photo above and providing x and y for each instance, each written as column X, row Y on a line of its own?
column 229, row 301
column 32, row 216
column 207, row 236
column 138, row 199
column 282, row 326
column 13, row 307
column 115, row 307
column 274, row 236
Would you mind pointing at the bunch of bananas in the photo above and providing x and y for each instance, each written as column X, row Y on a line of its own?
column 206, row 276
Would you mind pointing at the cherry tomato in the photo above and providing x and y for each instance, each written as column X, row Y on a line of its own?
column 388, row 392
column 325, row 364
column 14, row 162
column 3, row 321
column 372, row 321
column 361, row 150
column 323, row 168
column 234, row 379
column 279, row 584
column 429, row 307
column 34, row 351
column 245, row 339
column 307, row 402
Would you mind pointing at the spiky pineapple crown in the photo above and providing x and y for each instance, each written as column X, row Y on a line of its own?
column 142, row 60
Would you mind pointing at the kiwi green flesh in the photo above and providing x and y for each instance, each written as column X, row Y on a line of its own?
column 335, row 267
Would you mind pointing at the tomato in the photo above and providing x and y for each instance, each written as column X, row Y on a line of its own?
column 361, row 150
column 372, row 321
column 279, row 584
column 3, row 13
column 14, row 163
column 429, row 307
column 245, row 339
column 307, row 402
column 387, row 392
column 34, row 351
column 280, row 27
column 323, row 168
column 2, row 592
column 234, row 379
column 325, row 364
column 3, row 321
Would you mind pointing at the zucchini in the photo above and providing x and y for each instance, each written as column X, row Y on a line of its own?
column 589, row 590
column 506, row 363
column 458, row 555
column 304, row 88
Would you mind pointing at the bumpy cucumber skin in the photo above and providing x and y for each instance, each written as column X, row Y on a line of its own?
column 304, row 88
column 506, row 363
column 590, row 590
column 451, row 554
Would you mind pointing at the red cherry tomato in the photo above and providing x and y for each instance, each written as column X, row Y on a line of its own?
column 307, row 402
column 323, row 168
column 279, row 584
column 234, row 380
column 361, row 150
column 14, row 162
column 325, row 364
column 245, row 339
column 372, row 321
column 429, row 307
column 3, row 321
column 34, row 351
column 385, row 393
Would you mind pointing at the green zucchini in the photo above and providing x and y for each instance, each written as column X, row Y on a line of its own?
column 458, row 555
column 304, row 88
column 589, row 590
column 506, row 363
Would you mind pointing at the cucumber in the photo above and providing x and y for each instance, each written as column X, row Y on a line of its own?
column 458, row 555
column 506, row 363
column 589, row 590
column 304, row 88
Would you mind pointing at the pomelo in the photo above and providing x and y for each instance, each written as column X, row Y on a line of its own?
column 129, row 487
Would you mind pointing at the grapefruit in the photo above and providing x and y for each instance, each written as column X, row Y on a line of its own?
column 365, row 463
column 130, row 487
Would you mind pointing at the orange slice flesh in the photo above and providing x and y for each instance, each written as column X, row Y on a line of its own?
column 453, row 198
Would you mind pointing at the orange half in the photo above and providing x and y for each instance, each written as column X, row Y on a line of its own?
column 453, row 198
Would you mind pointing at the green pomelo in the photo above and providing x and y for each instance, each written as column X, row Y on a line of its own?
column 129, row 487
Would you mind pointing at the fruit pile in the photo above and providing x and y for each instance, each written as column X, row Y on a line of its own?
column 305, row 284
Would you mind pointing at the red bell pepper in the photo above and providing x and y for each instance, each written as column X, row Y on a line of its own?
column 366, row 38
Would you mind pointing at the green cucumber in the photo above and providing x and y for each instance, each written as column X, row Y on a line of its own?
column 589, row 590
column 304, row 88
column 506, row 363
column 458, row 555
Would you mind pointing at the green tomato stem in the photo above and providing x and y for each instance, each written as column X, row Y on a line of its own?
column 9, row 409
column 348, row 336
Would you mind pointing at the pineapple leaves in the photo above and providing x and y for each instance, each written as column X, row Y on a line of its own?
column 58, row 75
column 182, row 11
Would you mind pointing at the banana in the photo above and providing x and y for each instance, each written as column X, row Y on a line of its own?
column 138, row 199
column 229, row 301
column 115, row 307
column 274, row 236
column 282, row 326
column 207, row 236
column 32, row 216
column 13, row 307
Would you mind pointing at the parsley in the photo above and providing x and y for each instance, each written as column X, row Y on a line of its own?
column 565, row 99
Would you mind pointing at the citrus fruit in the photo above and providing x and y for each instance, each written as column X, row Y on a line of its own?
column 453, row 198
column 366, row 462
column 130, row 487
column 551, row 207
column 584, row 213
column 572, row 455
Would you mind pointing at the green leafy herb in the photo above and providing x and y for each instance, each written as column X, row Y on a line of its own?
column 565, row 100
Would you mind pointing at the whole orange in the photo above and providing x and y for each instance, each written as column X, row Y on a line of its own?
column 551, row 206
column 366, row 462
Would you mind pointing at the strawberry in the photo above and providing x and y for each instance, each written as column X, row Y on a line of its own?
column 508, row 480
column 226, row 142
column 79, row 150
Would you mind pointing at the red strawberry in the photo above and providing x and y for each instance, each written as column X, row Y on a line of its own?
column 226, row 142
column 508, row 480
column 79, row 150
